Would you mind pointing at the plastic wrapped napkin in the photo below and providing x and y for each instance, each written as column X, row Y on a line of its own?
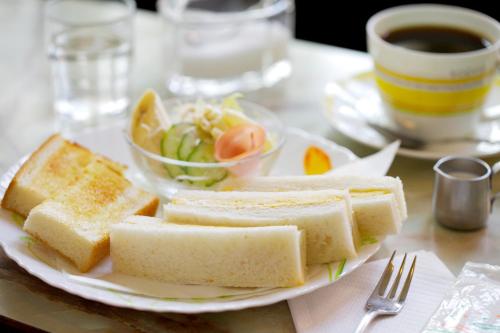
column 472, row 305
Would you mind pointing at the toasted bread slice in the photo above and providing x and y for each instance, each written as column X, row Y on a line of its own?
column 76, row 221
column 223, row 256
column 54, row 166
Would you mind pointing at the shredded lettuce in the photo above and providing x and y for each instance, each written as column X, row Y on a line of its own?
column 231, row 102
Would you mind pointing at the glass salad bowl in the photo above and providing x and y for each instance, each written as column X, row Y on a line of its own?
column 166, row 173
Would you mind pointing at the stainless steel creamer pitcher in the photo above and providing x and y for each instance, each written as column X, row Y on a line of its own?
column 463, row 198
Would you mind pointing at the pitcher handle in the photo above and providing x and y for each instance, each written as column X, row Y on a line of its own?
column 495, row 169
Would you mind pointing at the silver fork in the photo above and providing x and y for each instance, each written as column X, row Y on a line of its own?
column 380, row 305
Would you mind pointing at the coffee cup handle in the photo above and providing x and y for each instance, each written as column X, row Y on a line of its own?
column 495, row 170
column 493, row 112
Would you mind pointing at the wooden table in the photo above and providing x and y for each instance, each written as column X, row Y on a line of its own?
column 26, row 118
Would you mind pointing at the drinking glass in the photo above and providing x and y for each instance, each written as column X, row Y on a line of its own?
column 214, row 48
column 90, row 49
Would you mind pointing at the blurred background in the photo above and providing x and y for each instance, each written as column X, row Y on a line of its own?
column 327, row 22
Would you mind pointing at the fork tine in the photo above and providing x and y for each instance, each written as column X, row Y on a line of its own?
column 406, row 286
column 385, row 278
column 395, row 284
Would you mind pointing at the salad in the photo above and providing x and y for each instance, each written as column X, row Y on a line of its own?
column 198, row 132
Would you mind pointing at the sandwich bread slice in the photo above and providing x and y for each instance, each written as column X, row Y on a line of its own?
column 76, row 221
column 378, row 202
column 54, row 166
column 233, row 257
column 325, row 216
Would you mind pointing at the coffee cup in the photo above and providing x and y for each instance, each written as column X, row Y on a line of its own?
column 433, row 95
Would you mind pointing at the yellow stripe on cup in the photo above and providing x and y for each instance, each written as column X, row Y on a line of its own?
column 467, row 79
column 431, row 97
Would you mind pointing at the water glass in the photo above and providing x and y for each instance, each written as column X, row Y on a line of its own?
column 214, row 48
column 90, row 47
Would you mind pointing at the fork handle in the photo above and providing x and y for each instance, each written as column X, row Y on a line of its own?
column 366, row 321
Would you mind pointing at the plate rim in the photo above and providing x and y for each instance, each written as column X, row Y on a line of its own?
column 173, row 306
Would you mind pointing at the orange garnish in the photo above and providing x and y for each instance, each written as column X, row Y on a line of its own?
column 316, row 161
column 239, row 142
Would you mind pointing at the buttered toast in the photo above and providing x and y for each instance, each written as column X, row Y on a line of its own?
column 54, row 166
column 76, row 221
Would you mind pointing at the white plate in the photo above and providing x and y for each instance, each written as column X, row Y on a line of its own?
column 102, row 285
column 362, row 88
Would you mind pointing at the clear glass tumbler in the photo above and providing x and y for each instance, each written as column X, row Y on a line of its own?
column 90, row 46
column 218, row 47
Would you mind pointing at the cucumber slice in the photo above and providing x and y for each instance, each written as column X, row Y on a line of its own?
column 189, row 141
column 205, row 177
column 170, row 145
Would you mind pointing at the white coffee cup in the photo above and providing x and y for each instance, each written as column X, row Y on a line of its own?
column 433, row 95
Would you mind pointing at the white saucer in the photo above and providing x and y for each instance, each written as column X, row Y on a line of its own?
column 102, row 285
column 351, row 123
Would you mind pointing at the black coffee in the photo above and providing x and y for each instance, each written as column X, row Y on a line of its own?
column 437, row 39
